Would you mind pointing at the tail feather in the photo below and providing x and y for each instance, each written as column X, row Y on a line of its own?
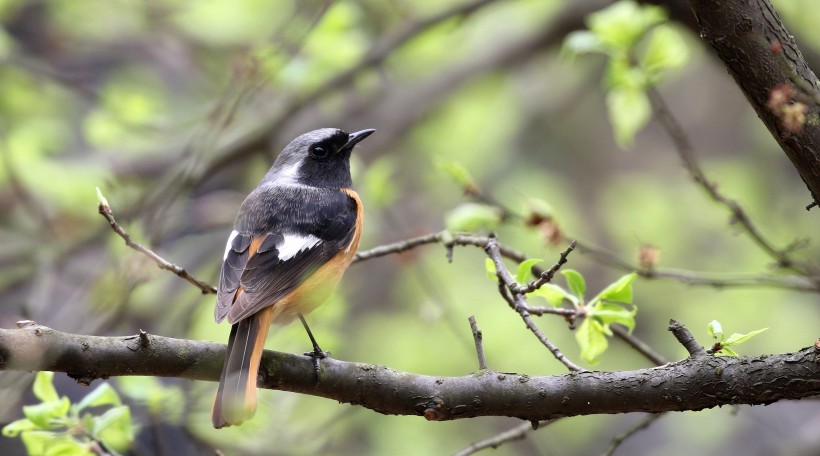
column 236, row 397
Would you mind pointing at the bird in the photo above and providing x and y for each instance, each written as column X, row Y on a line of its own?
column 293, row 238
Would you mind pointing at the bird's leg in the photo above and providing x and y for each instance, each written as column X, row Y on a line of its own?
column 317, row 354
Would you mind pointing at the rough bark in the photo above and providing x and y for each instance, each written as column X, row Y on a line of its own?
column 761, row 55
column 691, row 384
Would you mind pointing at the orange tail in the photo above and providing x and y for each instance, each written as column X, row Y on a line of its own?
column 236, row 397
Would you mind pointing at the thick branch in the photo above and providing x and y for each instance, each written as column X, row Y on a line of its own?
column 692, row 384
column 761, row 55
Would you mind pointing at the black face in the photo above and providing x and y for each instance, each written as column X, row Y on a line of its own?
column 328, row 162
column 327, row 148
column 320, row 158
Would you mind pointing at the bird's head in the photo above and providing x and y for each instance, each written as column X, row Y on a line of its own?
column 320, row 158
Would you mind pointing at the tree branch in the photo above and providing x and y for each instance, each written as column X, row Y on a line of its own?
column 761, row 55
column 691, row 384
column 106, row 211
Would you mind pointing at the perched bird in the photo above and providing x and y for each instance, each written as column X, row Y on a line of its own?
column 293, row 238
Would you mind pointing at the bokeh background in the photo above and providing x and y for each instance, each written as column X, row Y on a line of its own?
column 176, row 109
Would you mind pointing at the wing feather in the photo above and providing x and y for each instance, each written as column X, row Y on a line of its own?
column 264, row 265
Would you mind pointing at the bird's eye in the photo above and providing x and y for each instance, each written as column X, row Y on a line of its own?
column 319, row 151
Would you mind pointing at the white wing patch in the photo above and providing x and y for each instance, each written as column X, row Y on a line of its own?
column 234, row 233
column 294, row 244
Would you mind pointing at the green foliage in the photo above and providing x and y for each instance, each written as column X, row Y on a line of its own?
column 163, row 401
column 524, row 271
column 472, row 217
column 576, row 283
column 722, row 344
column 612, row 305
column 57, row 427
column 457, row 172
column 640, row 49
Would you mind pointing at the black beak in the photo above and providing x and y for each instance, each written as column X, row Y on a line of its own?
column 355, row 138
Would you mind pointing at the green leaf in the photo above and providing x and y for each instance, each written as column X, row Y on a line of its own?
column 726, row 351
column 524, row 271
column 575, row 282
column 489, row 267
column 114, row 428
column 591, row 339
column 472, row 217
column 44, row 387
column 43, row 413
column 666, row 50
column 629, row 110
column 622, row 74
column 37, row 441
column 554, row 295
column 101, row 395
column 737, row 339
column 715, row 330
column 66, row 446
column 582, row 42
column 619, row 291
column 622, row 24
column 14, row 428
column 608, row 313
column 458, row 173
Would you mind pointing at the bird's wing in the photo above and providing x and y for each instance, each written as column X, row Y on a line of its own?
column 260, row 269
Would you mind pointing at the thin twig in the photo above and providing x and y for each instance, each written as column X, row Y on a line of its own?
column 686, row 339
column 516, row 433
column 547, row 275
column 794, row 282
column 479, row 346
column 686, row 152
column 105, row 211
column 618, row 439
column 520, row 305
column 806, row 282
column 437, row 238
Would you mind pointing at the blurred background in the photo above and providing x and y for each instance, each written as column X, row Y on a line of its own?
column 176, row 108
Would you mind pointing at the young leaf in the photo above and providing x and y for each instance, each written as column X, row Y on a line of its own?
column 101, row 395
column 554, row 295
column 472, row 217
column 114, row 428
column 623, row 23
column 44, row 413
column 582, row 42
column 629, row 110
column 726, row 351
column 64, row 445
column 575, row 282
column 715, row 330
column 489, row 267
column 14, row 428
column 36, row 442
column 737, row 339
column 524, row 271
column 666, row 50
column 458, row 173
column 44, row 387
column 619, row 291
column 591, row 339
column 608, row 313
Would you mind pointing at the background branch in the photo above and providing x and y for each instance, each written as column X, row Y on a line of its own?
column 752, row 41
